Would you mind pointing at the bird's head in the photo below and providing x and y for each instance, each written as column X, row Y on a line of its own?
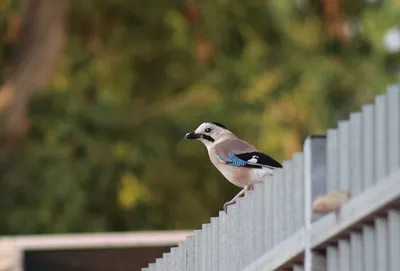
column 209, row 133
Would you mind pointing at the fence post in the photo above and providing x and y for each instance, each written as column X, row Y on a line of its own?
column 315, row 185
column 393, row 107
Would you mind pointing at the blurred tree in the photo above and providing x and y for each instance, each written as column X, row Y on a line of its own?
column 39, row 33
column 105, row 152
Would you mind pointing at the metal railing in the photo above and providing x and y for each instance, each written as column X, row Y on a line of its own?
column 13, row 249
column 273, row 227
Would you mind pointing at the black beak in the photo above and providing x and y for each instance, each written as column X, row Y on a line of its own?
column 192, row 135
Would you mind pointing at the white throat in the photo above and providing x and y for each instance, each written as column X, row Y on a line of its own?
column 207, row 143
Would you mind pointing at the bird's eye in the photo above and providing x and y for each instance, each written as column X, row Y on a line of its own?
column 208, row 130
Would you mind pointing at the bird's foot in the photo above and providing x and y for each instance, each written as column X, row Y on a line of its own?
column 227, row 204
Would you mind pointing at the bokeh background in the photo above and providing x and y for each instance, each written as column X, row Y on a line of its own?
column 102, row 93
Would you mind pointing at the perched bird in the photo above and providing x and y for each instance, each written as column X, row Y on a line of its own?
column 240, row 163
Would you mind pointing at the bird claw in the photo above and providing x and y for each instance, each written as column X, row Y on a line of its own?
column 227, row 204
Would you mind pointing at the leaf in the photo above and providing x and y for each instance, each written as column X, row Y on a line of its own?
column 330, row 202
column 131, row 191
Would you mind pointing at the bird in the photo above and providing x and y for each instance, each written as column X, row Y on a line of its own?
column 238, row 161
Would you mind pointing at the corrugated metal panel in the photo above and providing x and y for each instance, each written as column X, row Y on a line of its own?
column 298, row 164
column 269, row 213
column 332, row 161
column 332, row 258
column 369, row 247
column 368, row 179
column 394, row 240
column 259, row 220
column 215, row 240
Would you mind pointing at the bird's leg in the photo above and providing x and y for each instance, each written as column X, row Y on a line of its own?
column 232, row 201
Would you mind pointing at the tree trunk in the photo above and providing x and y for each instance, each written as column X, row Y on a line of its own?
column 39, row 45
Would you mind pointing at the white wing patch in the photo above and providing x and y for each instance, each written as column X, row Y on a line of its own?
column 253, row 159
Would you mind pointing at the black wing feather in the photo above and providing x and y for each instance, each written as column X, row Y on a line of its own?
column 262, row 159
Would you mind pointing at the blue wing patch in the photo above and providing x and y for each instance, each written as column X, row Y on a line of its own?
column 233, row 160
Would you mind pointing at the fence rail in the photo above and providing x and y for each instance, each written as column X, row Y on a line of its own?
column 273, row 227
column 13, row 249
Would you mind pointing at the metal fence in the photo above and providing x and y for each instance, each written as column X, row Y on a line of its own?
column 273, row 227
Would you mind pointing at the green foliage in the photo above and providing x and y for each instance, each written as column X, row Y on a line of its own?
column 105, row 151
